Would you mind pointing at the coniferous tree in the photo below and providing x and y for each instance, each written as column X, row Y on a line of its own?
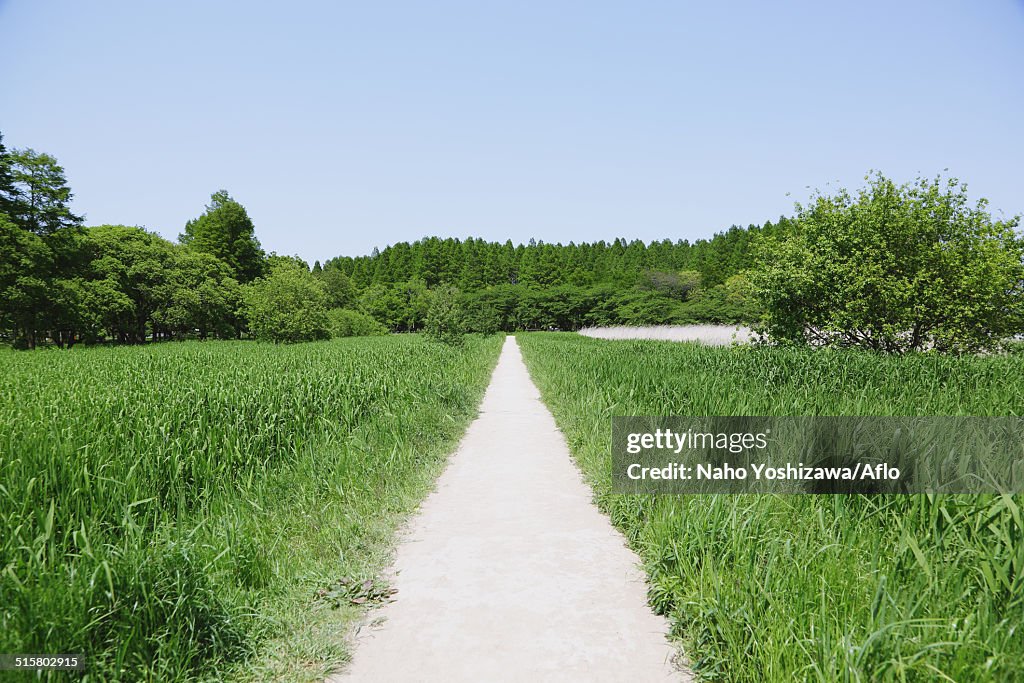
column 38, row 196
column 226, row 231
column 6, row 181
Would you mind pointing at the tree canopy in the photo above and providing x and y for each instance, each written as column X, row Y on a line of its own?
column 226, row 232
column 446, row 319
column 68, row 283
column 541, row 286
column 288, row 305
column 892, row 268
column 895, row 268
column 37, row 193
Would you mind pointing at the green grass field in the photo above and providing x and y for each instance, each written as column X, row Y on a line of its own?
column 826, row 588
column 187, row 510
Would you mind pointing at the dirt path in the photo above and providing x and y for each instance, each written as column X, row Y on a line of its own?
column 509, row 572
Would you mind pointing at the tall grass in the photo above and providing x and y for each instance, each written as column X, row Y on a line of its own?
column 820, row 588
column 168, row 510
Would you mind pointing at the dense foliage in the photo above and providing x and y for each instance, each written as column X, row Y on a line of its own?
column 288, row 305
column 894, row 269
column 226, row 232
column 891, row 268
column 543, row 286
column 806, row 588
column 344, row 322
column 446, row 319
column 163, row 508
column 66, row 283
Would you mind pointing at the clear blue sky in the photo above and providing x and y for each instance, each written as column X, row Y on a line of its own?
column 345, row 125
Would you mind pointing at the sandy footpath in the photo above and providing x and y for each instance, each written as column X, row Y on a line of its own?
column 508, row 572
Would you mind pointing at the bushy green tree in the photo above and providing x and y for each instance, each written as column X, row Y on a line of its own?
column 288, row 305
column 730, row 302
column 492, row 308
column 385, row 304
column 38, row 197
column 99, row 307
column 446, row 321
column 138, row 263
column 641, row 307
column 481, row 317
column 894, row 268
column 201, row 297
column 39, row 248
column 274, row 259
column 226, row 231
column 681, row 285
column 340, row 291
column 348, row 323
column 25, row 262
column 415, row 300
column 6, row 181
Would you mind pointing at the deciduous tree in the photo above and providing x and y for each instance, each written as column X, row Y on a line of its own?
column 895, row 268
column 288, row 305
column 446, row 320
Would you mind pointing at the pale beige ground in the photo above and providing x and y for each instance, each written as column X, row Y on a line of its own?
column 716, row 335
column 509, row 572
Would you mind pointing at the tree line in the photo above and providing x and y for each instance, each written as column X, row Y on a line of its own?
column 891, row 268
column 512, row 287
column 65, row 283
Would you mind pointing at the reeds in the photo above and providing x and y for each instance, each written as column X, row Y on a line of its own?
column 159, row 505
column 805, row 587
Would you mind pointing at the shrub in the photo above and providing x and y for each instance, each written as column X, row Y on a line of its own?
column 894, row 269
column 683, row 285
column 483, row 318
column 446, row 319
column 345, row 322
column 289, row 305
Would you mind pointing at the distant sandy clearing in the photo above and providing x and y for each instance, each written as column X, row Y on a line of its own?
column 716, row 335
